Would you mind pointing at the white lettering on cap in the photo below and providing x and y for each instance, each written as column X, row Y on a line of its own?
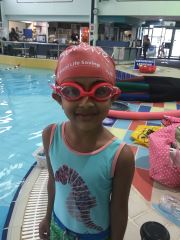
column 86, row 47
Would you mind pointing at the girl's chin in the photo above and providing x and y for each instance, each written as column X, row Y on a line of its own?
column 85, row 118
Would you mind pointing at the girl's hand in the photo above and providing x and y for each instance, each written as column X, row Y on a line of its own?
column 44, row 229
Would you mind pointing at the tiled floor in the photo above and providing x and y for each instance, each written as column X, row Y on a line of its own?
column 140, row 211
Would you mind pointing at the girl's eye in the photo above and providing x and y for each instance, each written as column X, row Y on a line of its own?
column 70, row 92
column 103, row 92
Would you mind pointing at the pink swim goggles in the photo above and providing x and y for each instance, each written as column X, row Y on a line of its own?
column 100, row 92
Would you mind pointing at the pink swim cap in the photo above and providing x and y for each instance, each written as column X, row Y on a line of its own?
column 85, row 61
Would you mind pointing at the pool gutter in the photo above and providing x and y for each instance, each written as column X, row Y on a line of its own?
column 30, row 207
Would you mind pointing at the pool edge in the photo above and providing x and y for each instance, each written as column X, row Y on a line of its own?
column 28, row 62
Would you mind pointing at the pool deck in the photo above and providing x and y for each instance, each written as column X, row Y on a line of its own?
column 161, row 71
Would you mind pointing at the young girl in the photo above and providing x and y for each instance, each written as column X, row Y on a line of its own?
column 90, row 170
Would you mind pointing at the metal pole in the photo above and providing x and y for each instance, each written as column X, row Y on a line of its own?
column 95, row 11
column 5, row 23
column 91, row 33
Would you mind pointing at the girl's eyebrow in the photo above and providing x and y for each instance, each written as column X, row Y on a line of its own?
column 94, row 83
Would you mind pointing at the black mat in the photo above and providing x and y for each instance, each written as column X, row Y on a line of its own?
column 168, row 63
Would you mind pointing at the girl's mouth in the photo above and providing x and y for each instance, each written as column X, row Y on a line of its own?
column 86, row 116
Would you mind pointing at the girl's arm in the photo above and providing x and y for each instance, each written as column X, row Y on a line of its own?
column 120, row 193
column 44, row 227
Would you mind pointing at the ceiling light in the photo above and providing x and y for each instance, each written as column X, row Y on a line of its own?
column 26, row 21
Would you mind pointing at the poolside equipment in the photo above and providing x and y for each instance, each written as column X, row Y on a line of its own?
column 147, row 69
column 150, row 89
column 108, row 121
column 163, row 168
column 141, row 134
column 119, row 106
column 135, row 96
column 40, row 157
column 142, row 115
column 170, row 205
column 154, row 231
column 131, row 86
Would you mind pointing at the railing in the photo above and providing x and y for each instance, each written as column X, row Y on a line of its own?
column 53, row 50
column 123, row 54
column 32, row 49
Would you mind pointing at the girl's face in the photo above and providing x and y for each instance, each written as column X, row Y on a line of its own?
column 85, row 113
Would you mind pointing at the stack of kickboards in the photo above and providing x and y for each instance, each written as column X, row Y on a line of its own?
column 150, row 89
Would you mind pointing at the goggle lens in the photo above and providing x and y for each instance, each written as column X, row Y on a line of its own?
column 70, row 92
column 103, row 92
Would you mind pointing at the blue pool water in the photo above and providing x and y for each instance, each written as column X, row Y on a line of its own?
column 26, row 107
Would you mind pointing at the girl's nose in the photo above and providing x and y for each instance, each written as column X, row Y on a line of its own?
column 86, row 101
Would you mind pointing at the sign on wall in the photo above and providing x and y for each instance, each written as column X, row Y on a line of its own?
column 42, row 1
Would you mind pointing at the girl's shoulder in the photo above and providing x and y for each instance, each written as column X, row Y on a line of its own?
column 126, row 159
column 47, row 130
column 51, row 127
column 48, row 133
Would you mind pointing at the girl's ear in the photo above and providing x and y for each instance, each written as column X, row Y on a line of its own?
column 57, row 98
column 116, row 94
column 114, row 98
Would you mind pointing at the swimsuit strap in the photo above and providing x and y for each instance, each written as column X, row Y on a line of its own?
column 53, row 127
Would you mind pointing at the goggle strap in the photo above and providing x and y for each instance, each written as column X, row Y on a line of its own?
column 55, row 88
column 116, row 91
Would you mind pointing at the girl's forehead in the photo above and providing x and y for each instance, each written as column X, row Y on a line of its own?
column 84, row 81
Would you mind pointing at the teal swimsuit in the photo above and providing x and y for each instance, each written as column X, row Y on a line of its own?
column 83, row 183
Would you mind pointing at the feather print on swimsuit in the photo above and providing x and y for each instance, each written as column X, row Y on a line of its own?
column 79, row 201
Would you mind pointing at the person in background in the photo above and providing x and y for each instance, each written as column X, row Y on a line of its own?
column 17, row 30
column 4, row 39
column 75, row 38
column 161, row 52
column 146, row 45
column 90, row 170
column 13, row 35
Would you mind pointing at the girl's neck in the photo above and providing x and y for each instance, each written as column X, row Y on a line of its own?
column 86, row 141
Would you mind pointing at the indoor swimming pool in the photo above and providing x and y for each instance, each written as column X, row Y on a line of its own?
column 26, row 107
